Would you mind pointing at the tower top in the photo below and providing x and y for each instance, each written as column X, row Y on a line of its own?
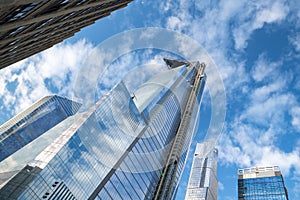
column 258, row 172
column 173, row 63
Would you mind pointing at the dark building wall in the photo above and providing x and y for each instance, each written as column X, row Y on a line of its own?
column 31, row 26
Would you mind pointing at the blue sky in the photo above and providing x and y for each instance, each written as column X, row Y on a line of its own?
column 256, row 47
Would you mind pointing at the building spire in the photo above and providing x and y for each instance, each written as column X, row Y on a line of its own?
column 173, row 63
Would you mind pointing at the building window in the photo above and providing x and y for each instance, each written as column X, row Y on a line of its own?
column 65, row 2
column 45, row 22
column 14, row 42
column 80, row 2
column 56, row 6
column 12, row 50
column 14, row 32
column 17, row 30
column 89, row 10
column 58, row 27
column 68, row 16
column 21, row 11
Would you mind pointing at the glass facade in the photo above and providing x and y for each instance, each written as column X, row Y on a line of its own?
column 119, row 147
column 33, row 122
column 177, row 155
column 261, row 184
column 203, row 184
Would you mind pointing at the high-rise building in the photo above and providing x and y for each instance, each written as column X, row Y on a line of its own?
column 203, row 183
column 31, row 26
column 33, row 122
column 120, row 147
column 261, row 183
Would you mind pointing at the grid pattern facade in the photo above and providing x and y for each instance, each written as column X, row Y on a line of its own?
column 86, row 153
column 264, row 186
column 18, row 183
column 138, row 175
column 177, row 154
column 114, row 150
column 60, row 191
column 203, row 184
column 33, row 122
column 31, row 26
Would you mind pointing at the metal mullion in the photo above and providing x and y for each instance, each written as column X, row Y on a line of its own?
column 135, row 178
column 115, row 188
column 121, row 171
column 151, row 158
column 156, row 127
column 105, row 190
column 122, row 185
column 134, row 165
column 158, row 137
column 148, row 168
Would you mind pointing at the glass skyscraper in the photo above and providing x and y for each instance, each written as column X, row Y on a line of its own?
column 203, row 183
column 120, row 147
column 262, row 183
column 34, row 121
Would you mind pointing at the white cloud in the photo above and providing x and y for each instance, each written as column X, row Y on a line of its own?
column 218, row 25
column 229, row 152
column 264, row 69
column 58, row 65
column 269, row 12
column 295, row 40
column 254, row 133
column 254, row 15
column 273, row 156
column 210, row 22
column 174, row 23
column 296, row 189
column 262, row 93
column 254, row 146
column 295, row 113
column 221, row 185
column 59, row 69
column 270, row 110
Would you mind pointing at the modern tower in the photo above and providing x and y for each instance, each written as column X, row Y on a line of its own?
column 120, row 148
column 261, row 183
column 203, row 183
column 33, row 122
column 31, row 26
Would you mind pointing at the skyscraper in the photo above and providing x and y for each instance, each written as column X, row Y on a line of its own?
column 34, row 121
column 119, row 148
column 31, row 26
column 262, row 183
column 203, row 183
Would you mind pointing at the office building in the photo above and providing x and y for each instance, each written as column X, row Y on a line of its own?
column 120, row 147
column 261, row 183
column 203, row 183
column 33, row 122
column 31, row 26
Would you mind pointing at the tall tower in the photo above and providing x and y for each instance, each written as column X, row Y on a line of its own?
column 31, row 26
column 175, row 160
column 119, row 148
column 261, row 183
column 33, row 122
column 203, row 183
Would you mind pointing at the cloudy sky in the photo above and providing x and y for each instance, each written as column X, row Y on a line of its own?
column 256, row 47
